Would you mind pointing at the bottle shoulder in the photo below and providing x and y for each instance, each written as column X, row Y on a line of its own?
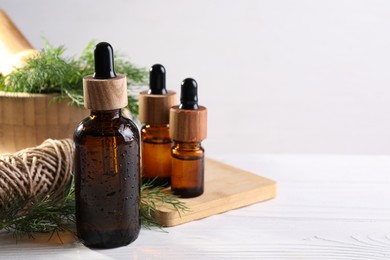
column 155, row 133
column 120, row 126
column 187, row 151
column 149, row 128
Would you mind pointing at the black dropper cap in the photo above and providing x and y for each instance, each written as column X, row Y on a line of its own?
column 189, row 94
column 157, row 80
column 104, row 61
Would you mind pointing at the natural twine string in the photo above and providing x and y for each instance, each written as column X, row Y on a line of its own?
column 36, row 171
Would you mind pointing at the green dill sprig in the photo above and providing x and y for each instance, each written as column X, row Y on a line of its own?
column 151, row 197
column 49, row 215
column 50, row 71
column 39, row 215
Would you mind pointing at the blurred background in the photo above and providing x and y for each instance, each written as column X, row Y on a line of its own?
column 277, row 76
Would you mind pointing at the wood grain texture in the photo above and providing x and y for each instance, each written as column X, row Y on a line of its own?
column 105, row 94
column 226, row 188
column 188, row 125
column 327, row 207
column 154, row 109
column 11, row 37
column 26, row 120
column 14, row 47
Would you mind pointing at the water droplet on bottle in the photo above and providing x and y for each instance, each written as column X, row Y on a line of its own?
column 111, row 194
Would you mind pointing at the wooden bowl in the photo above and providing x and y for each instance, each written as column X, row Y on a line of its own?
column 26, row 120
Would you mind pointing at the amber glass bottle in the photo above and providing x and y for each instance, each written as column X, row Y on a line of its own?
column 156, row 154
column 188, row 169
column 156, row 143
column 188, row 128
column 107, row 179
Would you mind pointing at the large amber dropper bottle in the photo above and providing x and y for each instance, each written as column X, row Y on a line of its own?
column 107, row 177
column 188, row 123
column 156, row 144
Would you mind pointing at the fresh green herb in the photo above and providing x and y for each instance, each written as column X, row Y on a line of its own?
column 25, row 218
column 153, row 196
column 51, row 72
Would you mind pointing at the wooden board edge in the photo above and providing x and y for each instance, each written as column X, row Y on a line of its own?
column 170, row 217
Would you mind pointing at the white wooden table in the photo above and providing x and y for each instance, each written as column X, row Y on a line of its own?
column 327, row 207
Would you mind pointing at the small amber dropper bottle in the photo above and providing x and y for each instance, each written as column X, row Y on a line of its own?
column 156, row 144
column 106, row 160
column 188, row 123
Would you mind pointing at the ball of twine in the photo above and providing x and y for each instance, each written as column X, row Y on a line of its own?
column 36, row 171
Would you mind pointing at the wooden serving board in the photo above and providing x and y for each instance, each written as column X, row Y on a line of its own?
column 226, row 188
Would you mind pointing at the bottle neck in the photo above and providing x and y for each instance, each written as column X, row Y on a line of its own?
column 153, row 126
column 106, row 114
column 187, row 145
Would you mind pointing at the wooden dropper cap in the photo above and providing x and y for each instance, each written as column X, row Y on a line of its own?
column 105, row 90
column 188, row 121
column 154, row 104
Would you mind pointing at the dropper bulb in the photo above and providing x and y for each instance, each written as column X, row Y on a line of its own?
column 104, row 61
column 189, row 94
column 157, row 80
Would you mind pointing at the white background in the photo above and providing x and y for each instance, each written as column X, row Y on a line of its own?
column 277, row 76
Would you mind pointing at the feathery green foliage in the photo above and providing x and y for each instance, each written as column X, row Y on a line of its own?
column 151, row 196
column 27, row 217
column 51, row 72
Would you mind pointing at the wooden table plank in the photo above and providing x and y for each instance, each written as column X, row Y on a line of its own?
column 226, row 188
